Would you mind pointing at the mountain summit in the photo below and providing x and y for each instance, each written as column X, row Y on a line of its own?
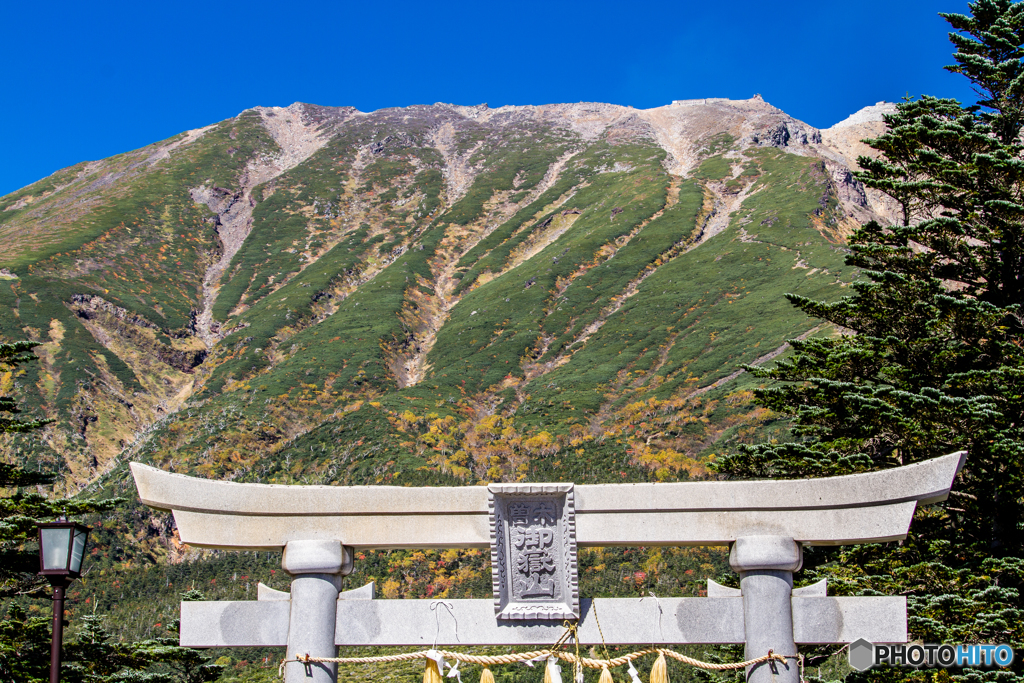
column 430, row 293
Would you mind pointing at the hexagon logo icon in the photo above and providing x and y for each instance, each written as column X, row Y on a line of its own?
column 862, row 654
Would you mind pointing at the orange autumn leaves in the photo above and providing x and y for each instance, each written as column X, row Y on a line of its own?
column 671, row 438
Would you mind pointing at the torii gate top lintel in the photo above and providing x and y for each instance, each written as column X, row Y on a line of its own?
column 869, row 507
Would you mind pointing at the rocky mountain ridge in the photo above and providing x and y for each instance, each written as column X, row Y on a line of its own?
column 174, row 285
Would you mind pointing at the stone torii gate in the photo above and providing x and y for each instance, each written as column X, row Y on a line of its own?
column 533, row 532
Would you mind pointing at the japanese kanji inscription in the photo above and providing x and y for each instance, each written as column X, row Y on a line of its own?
column 533, row 551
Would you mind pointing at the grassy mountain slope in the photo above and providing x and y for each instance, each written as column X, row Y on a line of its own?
column 428, row 295
column 434, row 293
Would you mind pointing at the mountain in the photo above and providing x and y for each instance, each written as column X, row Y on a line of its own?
column 427, row 294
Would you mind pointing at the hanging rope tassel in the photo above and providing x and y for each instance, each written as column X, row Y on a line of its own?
column 431, row 674
column 659, row 672
column 606, row 676
column 552, row 672
column 486, row 676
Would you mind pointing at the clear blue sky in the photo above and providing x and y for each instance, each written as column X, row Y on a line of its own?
column 83, row 81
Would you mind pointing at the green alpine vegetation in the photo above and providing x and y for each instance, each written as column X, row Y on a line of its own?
column 574, row 292
column 424, row 294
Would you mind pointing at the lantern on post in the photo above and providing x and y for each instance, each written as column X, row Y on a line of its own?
column 61, row 551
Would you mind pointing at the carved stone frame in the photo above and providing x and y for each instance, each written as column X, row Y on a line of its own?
column 566, row 601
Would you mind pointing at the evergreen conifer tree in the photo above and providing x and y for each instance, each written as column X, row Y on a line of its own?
column 931, row 355
column 22, row 507
column 928, row 353
column 90, row 656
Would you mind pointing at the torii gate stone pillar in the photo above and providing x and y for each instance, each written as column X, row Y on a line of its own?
column 533, row 532
column 766, row 565
column 317, row 568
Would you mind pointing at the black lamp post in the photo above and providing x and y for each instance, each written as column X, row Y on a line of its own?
column 61, row 551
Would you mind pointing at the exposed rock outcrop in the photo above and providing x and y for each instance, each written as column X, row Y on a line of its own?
column 781, row 134
column 299, row 131
column 845, row 143
column 134, row 329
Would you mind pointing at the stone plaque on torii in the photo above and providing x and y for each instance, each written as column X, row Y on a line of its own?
column 533, row 531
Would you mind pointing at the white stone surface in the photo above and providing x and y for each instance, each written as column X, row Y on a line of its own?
column 766, row 565
column 625, row 621
column 234, row 624
column 719, row 527
column 925, row 482
column 311, row 626
column 717, row 590
column 768, row 624
column 314, row 557
column 811, row 526
column 364, row 592
column 317, row 568
column 265, row 593
column 815, row 590
column 821, row 620
column 775, row 553
column 767, row 522
column 876, row 506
